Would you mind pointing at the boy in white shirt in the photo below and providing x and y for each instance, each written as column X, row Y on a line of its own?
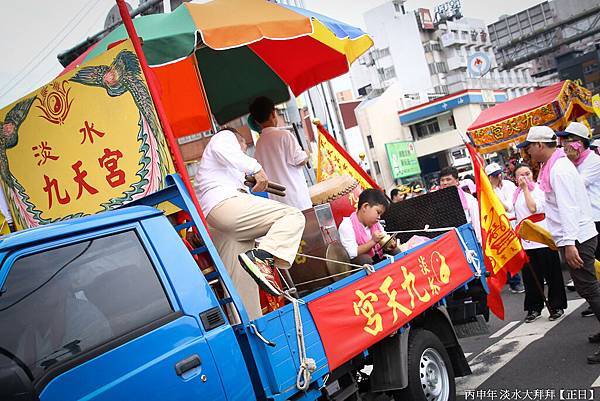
column 361, row 233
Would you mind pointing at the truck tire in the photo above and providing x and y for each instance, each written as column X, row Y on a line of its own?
column 430, row 373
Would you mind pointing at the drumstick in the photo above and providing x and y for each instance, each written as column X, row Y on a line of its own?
column 272, row 185
column 269, row 190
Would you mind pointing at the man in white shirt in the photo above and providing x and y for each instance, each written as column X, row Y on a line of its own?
column 504, row 189
column 237, row 218
column 568, row 214
column 278, row 151
column 449, row 178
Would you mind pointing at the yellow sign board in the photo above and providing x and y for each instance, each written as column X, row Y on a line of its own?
column 596, row 104
column 86, row 142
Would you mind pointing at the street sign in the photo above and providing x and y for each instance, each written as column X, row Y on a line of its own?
column 403, row 159
column 479, row 64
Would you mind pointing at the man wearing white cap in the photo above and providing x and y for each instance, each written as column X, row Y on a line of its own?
column 504, row 189
column 575, row 140
column 568, row 214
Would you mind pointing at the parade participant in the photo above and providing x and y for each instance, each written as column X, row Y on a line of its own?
column 528, row 199
column 237, row 218
column 395, row 195
column 595, row 146
column 449, row 178
column 576, row 143
column 280, row 155
column 361, row 233
column 505, row 190
column 568, row 215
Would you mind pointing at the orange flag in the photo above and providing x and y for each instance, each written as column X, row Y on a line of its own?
column 502, row 248
column 334, row 160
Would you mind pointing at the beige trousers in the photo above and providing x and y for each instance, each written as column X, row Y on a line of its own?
column 237, row 222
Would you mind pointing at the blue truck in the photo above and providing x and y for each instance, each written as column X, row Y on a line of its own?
column 115, row 307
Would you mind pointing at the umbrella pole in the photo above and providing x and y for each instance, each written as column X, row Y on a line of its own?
column 162, row 115
column 204, row 95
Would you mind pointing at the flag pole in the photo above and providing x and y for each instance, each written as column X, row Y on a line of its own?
column 160, row 110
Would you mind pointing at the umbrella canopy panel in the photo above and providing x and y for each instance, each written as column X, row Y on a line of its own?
column 248, row 48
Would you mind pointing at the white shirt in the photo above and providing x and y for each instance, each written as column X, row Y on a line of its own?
column 522, row 211
column 568, row 209
column 472, row 214
column 222, row 170
column 348, row 238
column 505, row 193
column 282, row 158
column 4, row 207
column 589, row 170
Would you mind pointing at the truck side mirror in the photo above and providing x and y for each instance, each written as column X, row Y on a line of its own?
column 15, row 384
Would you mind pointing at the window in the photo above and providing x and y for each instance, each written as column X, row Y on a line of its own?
column 389, row 73
column 441, row 67
column 370, row 141
column 377, row 169
column 432, row 69
column 425, row 128
column 62, row 302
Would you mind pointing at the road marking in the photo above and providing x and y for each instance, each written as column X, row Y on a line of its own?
column 468, row 354
column 499, row 354
column 504, row 329
column 596, row 383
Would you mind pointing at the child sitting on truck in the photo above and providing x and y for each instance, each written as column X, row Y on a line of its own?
column 361, row 234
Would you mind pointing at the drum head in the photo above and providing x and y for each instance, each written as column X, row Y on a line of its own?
column 331, row 189
column 335, row 251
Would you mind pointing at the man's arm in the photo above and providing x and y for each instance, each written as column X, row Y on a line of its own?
column 566, row 199
column 294, row 154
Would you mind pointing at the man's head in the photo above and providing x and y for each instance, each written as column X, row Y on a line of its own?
column 540, row 143
column 395, row 195
column 262, row 110
column 575, row 139
column 449, row 177
column 372, row 203
column 494, row 172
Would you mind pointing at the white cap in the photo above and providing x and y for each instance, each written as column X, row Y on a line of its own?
column 577, row 129
column 538, row 133
column 595, row 143
column 493, row 168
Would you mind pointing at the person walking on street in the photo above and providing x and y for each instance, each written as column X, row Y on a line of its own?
column 568, row 215
column 576, row 143
column 528, row 199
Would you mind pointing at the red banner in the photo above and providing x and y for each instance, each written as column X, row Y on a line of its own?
column 355, row 317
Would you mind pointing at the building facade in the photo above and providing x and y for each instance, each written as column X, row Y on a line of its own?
column 422, row 70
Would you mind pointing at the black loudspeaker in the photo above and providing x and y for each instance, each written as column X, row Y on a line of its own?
column 437, row 209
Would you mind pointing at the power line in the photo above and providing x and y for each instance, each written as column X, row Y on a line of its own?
column 49, row 51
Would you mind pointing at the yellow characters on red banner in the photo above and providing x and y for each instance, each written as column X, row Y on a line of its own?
column 88, row 141
column 437, row 276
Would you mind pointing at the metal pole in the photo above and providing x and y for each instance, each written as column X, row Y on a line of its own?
column 173, row 145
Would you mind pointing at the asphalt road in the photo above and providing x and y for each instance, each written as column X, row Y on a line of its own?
column 542, row 360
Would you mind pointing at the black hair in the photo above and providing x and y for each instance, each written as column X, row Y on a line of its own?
column 372, row 197
column 449, row 171
column 521, row 165
column 261, row 109
column 551, row 145
column 394, row 192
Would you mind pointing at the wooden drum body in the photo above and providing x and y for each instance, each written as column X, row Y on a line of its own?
column 321, row 239
column 341, row 192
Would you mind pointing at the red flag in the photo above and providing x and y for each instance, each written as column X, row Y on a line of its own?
column 334, row 160
column 502, row 248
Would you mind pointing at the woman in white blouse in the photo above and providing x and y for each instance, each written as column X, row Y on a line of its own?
column 528, row 200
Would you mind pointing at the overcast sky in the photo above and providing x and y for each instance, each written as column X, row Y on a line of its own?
column 33, row 32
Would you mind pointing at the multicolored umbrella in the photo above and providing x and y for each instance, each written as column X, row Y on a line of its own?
column 248, row 48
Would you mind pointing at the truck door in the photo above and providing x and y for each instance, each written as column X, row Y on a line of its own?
column 92, row 318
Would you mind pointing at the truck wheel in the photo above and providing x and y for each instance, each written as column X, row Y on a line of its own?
column 430, row 373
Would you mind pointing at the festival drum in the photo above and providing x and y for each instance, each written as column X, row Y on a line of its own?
column 320, row 239
column 341, row 192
